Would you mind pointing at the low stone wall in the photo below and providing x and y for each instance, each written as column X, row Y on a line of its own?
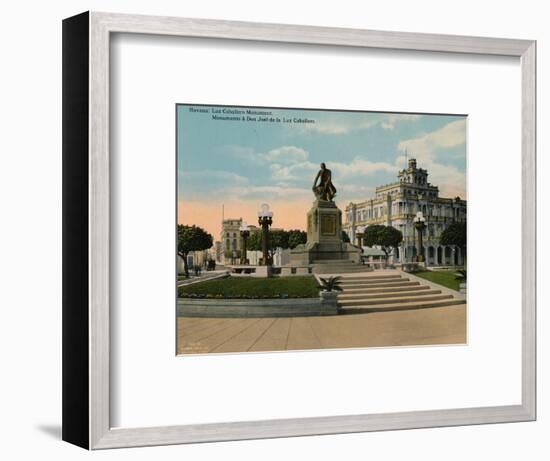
column 283, row 307
column 250, row 271
column 295, row 270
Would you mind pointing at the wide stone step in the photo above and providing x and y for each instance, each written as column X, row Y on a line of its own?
column 401, row 306
column 344, row 296
column 368, row 278
column 365, row 282
column 380, row 285
column 340, row 269
column 385, row 290
column 391, row 301
column 337, row 261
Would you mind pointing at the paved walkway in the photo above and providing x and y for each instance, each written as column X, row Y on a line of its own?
column 205, row 275
column 445, row 325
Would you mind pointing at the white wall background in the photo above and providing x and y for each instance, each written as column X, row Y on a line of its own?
column 30, row 239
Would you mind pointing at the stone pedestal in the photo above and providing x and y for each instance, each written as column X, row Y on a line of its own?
column 324, row 223
column 324, row 238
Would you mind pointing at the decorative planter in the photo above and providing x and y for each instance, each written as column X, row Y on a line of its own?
column 410, row 267
column 328, row 298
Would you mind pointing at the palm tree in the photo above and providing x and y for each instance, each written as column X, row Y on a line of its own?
column 330, row 284
column 461, row 275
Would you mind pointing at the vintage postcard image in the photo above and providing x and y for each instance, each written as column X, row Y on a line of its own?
column 302, row 229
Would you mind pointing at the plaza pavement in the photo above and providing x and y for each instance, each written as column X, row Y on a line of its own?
column 442, row 325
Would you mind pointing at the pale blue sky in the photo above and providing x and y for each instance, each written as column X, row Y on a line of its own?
column 231, row 161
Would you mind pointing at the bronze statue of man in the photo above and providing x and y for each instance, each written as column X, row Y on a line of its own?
column 325, row 190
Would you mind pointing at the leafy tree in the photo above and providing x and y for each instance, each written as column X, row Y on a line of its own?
column 254, row 242
column 277, row 239
column 296, row 237
column 232, row 255
column 371, row 235
column 386, row 237
column 192, row 238
column 455, row 234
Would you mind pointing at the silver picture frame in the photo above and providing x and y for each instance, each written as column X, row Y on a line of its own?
column 86, row 229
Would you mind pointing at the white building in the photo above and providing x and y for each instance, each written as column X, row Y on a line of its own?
column 280, row 257
column 396, row 205
column 231, row 241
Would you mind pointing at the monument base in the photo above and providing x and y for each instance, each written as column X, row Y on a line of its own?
column 319, row 253
column 325, row 250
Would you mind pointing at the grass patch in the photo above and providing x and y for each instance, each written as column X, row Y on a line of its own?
column 252, row 287
column 445, row 278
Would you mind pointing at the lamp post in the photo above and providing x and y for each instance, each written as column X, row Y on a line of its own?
column 245, row 233
column 420, row 225
column 265, row 219
column 359, row 235
column 453, row 256
column 403, row 244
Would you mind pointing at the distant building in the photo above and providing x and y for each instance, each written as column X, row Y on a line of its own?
column 195, row 258
column 231, row 244
column 231, row 240
column 396, row 205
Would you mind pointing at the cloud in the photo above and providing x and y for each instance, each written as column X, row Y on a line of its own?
column 391, row 120
column 297, row 171
column 361, row 166
column 345, row 125
column 450, row 179
column 336, row 127
column 247, row 154
column 286, row 163
column 227, row 186
column 351, row 192
column 423, row 147
column 286, row 155
column 268, row 193
column 212, row 175
column 208, row 183
column 281, row 155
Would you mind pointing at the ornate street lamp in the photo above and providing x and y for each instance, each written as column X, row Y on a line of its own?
column 265, row 219
column 420, row 225
column 245, row 233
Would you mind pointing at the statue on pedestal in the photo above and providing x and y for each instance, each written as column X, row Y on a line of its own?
column 325, row 190
column 325, row 252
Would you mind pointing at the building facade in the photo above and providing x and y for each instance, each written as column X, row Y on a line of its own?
column 194, row 258
column 396, row 205
column 231, row 240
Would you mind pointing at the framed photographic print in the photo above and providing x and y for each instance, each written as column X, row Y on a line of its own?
column 274, row 230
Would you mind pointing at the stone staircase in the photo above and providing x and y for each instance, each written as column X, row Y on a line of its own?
column 389, row 292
